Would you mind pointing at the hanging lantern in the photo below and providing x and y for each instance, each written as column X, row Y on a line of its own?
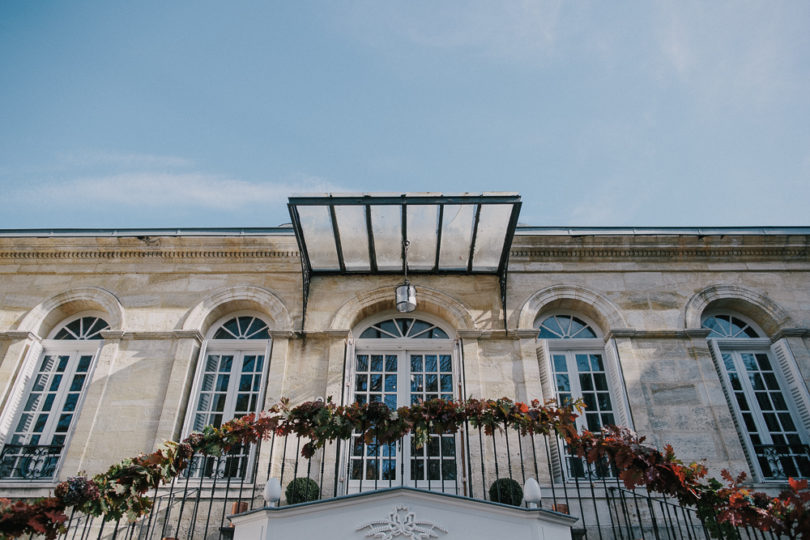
column 405, row 293
column 406, row 298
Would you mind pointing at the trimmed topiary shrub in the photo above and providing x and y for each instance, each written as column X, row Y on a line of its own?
column 506, row 491
column 302, row 490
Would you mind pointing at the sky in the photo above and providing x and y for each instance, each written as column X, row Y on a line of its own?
column 210, row 114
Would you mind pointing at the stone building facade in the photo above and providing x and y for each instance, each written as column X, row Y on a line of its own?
column 679, row 321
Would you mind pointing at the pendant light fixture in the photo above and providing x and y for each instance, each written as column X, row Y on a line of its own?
column 405, row 293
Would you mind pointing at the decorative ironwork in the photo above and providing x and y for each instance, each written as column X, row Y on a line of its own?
column 29, row 462
column 780, row 462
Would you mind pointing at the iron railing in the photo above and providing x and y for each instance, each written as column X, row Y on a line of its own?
column 196, row 505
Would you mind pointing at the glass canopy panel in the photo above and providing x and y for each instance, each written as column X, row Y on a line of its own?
column 423, row 226
column 351, row 222
column 386, row 225
column 493, row 224
column 457, row 227
column 316, row 226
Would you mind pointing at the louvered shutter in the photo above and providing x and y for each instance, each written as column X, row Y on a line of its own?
column 549, row 391
column 194, row 397
column 20, row 390
column 794, row 384
column 617, row 389
column 348, row 369
column 544, row 360
column 717, row 358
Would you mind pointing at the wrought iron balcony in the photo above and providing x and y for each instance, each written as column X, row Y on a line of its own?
column 780, row 462
column 29, row 461
column 466, row 464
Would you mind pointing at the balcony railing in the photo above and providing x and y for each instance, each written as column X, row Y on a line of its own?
column 196, row 504
column 29, row 461
column 780, row 462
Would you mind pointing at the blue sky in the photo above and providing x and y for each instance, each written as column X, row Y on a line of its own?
column 181, row 114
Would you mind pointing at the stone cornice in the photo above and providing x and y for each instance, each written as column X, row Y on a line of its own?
column 81, row 254
column 660, row 252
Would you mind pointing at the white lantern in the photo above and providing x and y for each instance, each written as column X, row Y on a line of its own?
column 406, row 298
column 272, row 492
column 531, row 493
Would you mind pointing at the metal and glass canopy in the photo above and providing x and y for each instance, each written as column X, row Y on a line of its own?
column 366, row 233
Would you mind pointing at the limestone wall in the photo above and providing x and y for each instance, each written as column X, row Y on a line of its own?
column 643, row 293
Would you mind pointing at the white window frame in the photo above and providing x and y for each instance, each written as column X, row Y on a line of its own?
column 760, row 345
column 74, row 349
column 238, row 348
column 402, row 347
column 570, row 347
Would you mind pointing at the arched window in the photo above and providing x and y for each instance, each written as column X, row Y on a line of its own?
column 399, row 361
column 765, row 414
column 578, row 368
column 230, row 383
column 52, row 400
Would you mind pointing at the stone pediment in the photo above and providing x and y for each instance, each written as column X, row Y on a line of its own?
column 402, row 514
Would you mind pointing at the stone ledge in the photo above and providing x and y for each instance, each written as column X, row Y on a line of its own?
column 689, row 333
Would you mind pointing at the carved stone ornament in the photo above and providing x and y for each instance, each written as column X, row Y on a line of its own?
column 401, row 523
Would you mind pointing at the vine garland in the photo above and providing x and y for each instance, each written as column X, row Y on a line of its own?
column 120, row 491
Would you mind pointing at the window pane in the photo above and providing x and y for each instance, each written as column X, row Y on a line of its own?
column 78, row 382
column 84, row 364
column 70, row 402
column 49, row 402
column 446, row 365
column 430, row 362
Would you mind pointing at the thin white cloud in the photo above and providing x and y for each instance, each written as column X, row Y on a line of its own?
column 168, row 190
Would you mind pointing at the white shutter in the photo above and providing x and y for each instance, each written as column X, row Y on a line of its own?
column 717, row 358
column 794, row 384
column 618, row 390
column 194, row 396
column 544, row 359
column 348, row 369
column 20, row 390
column 547, row 385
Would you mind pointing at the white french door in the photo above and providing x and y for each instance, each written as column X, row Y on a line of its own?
column 49, row 411
column 230, row 385
column 399, row 378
